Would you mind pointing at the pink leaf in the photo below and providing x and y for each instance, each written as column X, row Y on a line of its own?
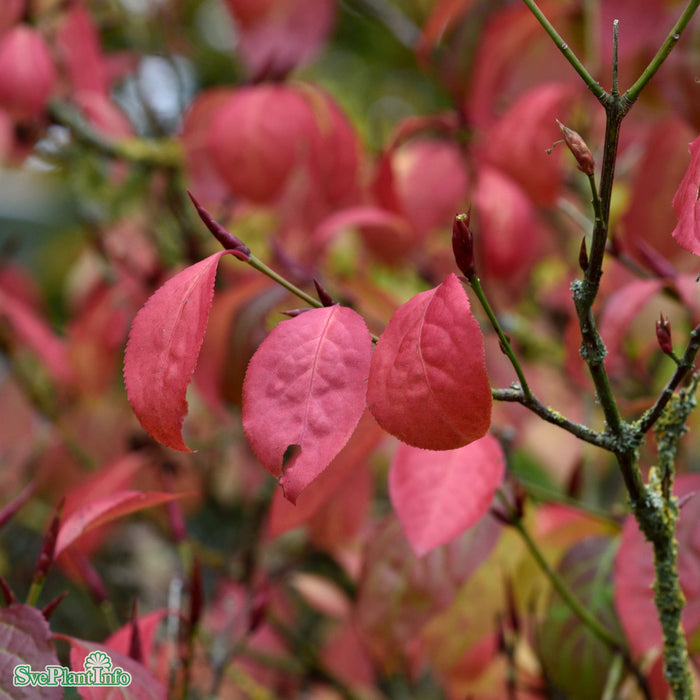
column 686, row 204
column 143, row 685
column 517, row 142
column 620, row 310
column 163, row 348
column 428, row 384
column 438, row 495
column 25, row 639
column 634, row 573
column 304, row 393
column 105, row 509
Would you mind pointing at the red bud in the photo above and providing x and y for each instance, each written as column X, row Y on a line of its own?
column 226, row 238
column 324, row 297
column 46, row 556
column 49, row 608
column 578, row 147
column 463, row 244
column 663, row 335
column 583, row 255
column 135, row 646
column 10, row 597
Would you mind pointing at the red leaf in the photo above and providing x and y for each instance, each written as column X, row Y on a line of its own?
column 34, row 332
column 518, row 140
column 438, row 495
column 270, row 141
column 634, row 574
column 105, row 509
column 304, row 393
column 686, row 204
column 78, row 44
column 428, row 384
column 510, row 238
column 286, row 35
column 25, row 639
column 283, row 516
column 163, row 348
column 143, row 685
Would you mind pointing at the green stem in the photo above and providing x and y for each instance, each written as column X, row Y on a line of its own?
column 505, row 341
column 35, row 591
column 671, row 40
column 600, row 631
column 260, row 266
column 574, row 604
column 570, row 56
column 516, row 395
column 157, row 153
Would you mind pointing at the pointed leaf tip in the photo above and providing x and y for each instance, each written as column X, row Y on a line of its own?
column 163, row 347
column 428, row 384
column 304, row 393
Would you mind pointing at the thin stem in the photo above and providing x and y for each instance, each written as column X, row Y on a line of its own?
column 157, row 153
column 570, row 56
column 574, row 604
column 547, row 495
column 671, row 40
column 503, row 338
column 260, row 266
column 684, row 366
column 515, row 395
column 283, row 282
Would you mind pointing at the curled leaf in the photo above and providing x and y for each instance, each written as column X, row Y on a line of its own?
column 304, row 393
column 427, row 383
column 164, row 344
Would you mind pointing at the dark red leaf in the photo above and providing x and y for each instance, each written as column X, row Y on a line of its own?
column 163, row 348
column 428, row 384
column 304, row 393
column 25, row 639
column 438, row 495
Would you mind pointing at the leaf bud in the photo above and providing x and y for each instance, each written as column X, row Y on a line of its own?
column 463, row 244
column 324, row 297
column 663, row 335
column 10, row 597
column 135, row 646
column 226, row 238
column 578, row 147
column 50, row 607
column 583, row 255
column 48, row 548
